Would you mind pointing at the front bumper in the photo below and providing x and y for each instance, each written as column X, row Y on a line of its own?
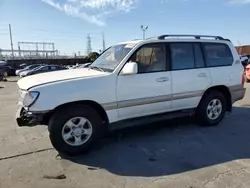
column 30, row 119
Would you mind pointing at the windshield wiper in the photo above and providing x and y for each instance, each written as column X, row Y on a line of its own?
column 98, row 68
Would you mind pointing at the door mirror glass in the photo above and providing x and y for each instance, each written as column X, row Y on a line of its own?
column 130, row 68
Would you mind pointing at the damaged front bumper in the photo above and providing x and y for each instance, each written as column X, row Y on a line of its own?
column 30, row 119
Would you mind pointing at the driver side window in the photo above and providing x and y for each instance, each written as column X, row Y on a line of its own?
column 150, row 58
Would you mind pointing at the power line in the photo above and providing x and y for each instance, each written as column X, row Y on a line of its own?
column 59, row 37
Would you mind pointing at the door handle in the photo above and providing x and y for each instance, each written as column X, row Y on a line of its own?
column 202, row 75
column 162, row 79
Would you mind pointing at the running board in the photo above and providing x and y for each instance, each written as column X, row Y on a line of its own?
column 151, row 119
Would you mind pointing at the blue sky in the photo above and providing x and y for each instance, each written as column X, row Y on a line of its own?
column 67, row 22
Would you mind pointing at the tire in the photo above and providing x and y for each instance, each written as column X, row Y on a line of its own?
column 202, row 111
column 57, row 129
column 5, row 74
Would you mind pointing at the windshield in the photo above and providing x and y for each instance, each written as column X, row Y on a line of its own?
column 32, row 66
column 36, row 68
column 111, row 58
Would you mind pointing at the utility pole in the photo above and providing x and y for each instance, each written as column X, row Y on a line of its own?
column 88, row 45
column 144, row 29
column 11, row 42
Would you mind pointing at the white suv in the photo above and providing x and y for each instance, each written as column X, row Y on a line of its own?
column 132, row 83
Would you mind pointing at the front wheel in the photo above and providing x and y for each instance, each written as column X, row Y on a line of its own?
column 212, row 109
column 75, row 129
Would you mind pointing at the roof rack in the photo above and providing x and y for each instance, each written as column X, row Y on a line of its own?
column 162, row 37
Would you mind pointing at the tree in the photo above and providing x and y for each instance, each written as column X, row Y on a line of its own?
column 93, row 56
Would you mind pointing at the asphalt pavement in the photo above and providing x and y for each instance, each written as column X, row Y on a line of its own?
column 178, row 154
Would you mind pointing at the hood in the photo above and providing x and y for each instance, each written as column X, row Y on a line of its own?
column 56, row 76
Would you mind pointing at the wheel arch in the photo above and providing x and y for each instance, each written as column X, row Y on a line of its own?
column 96, row 106
column 224, row 90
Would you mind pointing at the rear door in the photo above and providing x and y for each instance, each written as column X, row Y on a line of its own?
column 190, row 77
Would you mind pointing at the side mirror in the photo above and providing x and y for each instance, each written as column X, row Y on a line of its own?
column 130, row 68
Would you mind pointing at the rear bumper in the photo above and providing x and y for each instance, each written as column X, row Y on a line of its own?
column 26, row 118
column 237, row 94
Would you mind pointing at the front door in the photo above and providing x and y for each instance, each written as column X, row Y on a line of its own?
column 149, row 91
column 189, row 75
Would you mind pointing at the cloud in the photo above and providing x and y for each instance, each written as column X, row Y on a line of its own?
column 93, row 11
column 97, row 11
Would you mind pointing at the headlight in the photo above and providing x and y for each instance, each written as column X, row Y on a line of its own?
column 30, row 98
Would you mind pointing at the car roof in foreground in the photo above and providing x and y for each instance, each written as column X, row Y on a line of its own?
column 131, row 42
column 180, row 38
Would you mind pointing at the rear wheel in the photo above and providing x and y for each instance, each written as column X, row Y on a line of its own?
column 75, row 129
column 212, row 109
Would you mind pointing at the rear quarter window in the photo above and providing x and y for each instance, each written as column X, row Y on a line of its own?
column 217, row 54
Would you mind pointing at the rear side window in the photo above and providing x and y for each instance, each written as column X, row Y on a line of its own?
column 54, row 68
column 44, row 68
column 217, row 54
column 182, row 55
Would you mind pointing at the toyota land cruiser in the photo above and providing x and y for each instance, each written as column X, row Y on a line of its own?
column 131, row 83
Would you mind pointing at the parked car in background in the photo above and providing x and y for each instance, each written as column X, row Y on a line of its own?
column 71, row 66
column 244, row 60
column 7, row 71
column 30, row 67
column 42, row 69
column 24, row 73
column 3, row 63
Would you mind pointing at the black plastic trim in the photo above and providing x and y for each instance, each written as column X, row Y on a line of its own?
column 152, row 118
